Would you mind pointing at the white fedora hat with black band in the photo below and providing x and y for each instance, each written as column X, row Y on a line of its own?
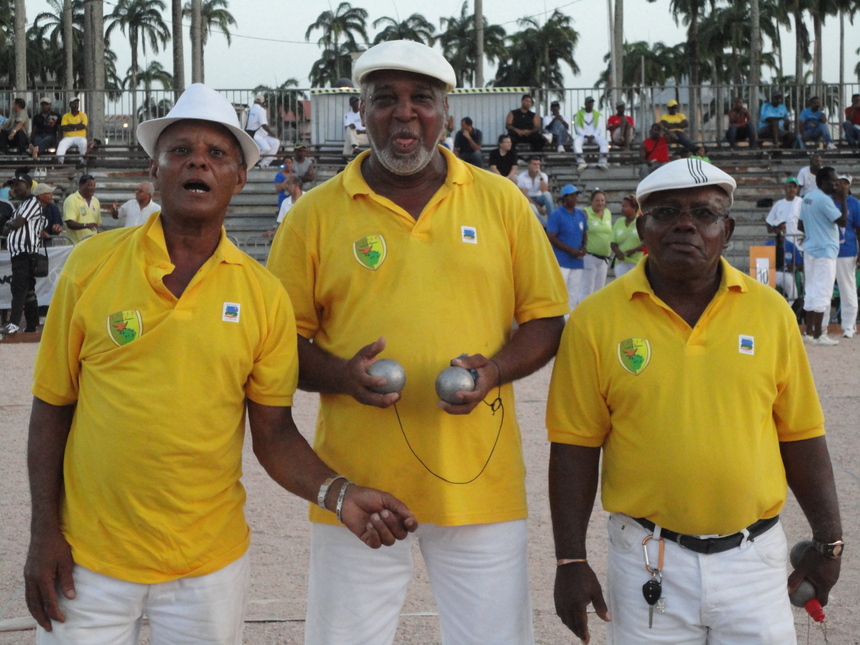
column 202, row 103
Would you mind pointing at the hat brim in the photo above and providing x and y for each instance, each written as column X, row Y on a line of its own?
column 149, row 131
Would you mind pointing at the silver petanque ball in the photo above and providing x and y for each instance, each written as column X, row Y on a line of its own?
column 392, row 372
column 452, row 380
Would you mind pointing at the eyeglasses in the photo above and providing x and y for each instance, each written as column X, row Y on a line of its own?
column 669, row 215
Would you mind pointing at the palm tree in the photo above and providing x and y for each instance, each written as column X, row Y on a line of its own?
column 415, row 27
column 154, row 73
column 142, row 22
column 325, row 70
column 459, row 44
column 345, row 23
column 51, row 30
column 214, row 15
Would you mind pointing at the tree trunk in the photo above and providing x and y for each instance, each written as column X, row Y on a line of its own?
column 842, row 97
column 20, row 23
column 755, row 55
column 816, row 53
column 97, row 107
column 68, row 48
column 132, row 40
column 798, row 63
column 693, row 49
column 479, row 36
column 196, row 42
column 178, row 53
column 618, row 45
column 89, row 52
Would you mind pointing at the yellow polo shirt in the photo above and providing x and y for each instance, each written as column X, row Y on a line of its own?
column 690, row 420
column 154, row 456
column 673, row 119
column 75, row 208
column 72, row 119
column 357, row 267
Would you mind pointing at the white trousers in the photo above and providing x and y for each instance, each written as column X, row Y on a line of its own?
column 478, row 574
column 846, row 278
column 268, row 146
column 352, row 139
column 207, row 610
column 68, row 142
column 602, row 143
column 593, row 276
column 820, row 278
column 785, row 280
column 572, row 279
column 623, row 267
column 737, row 597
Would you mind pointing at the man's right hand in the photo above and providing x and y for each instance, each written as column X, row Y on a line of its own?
column 576, row 586
column 49, row 565
column 359, row 382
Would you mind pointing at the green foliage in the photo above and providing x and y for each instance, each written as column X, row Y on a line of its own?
column 459, row 44
column 415, row 27
column 339, row 30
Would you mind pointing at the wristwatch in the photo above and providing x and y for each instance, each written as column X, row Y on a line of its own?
column 830, row 550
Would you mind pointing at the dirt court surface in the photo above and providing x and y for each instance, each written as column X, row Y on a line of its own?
column 278, row 521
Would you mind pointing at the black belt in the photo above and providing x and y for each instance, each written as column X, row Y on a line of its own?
column 711, row 545
column 605, row 258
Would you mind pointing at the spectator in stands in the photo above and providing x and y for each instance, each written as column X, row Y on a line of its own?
column 568, row 231
column 789, row 260
column 701, row 153
column 846, row 259
column 293, row 189
column 524, row 126
column 625, row 243
column 676, row 123
column 448, row 140
column 82, row 211
column 556, row 124
column 813, row 124
column 73, row 126
column 258, row 127
column 467, row 143
column 598, row 247
column 16, row 133
column 774, row 123
column 136, row 211
column 303, row 165
column 46, row 129
column 589, row 126
column 655, row 150
column 503, row 160
column 354, row 132
column 787, row 211
column 621, row 127
column 806, row 175
column 535, row 186
column 287, row 168
column 54, row 221
column 820, row 221
column 740, row 125
column 851, row 126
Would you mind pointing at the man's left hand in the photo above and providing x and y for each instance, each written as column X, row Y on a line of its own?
column 822, row 572
column 488, row 378
column 377, row 518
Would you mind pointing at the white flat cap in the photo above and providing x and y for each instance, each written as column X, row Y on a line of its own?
column 685, row 173
column 42, row 189
column 407, row 56
column 204, row 104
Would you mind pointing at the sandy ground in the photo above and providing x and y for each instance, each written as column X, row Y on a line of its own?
column 280, row 530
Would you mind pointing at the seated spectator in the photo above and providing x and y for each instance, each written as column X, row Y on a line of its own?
column 448, row 142
column 567, row 231
column 676, row 123
column 293, row 188
column 787, row 211
column 789, row 260
column 774, row 123
column 16, row 132
column 263, row 135
column 467, row 143
column 806, row 175
column 701, row 153
column 354, row 133
column 589, row 126
column 503, row 160
column 136, row 211
column 740, row 125
column 73, row 127
column 851, row 126
column 556, row 125
column 625, row 243
column 46, row 129
column 524, row 126
column 655, row 151
column 535, row 186
column 621, row 127
column 813, row 124
column 287, row 169
column 303, row 165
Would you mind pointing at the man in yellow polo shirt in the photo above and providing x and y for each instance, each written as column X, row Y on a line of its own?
column 82, row 212
column 160, row 337
column 438, row 257
column 675, row 125
column 693, row 381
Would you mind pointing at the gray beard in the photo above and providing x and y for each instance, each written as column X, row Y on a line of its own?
column 403, row 165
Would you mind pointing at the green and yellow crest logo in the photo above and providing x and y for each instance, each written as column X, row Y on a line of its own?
column 124, row 326
column 370, row 251
column 634, row 355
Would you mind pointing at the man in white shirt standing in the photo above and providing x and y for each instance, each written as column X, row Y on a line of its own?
column 354, row 134
column 806, row 175
column 264, row 137
column 787, row 211
column 590, row 126
column 136, row 211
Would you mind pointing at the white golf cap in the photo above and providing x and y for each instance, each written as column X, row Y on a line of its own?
column 202, row 103
column 42, row 189
column 845, row 177
column 407, row 56
column 685, row 173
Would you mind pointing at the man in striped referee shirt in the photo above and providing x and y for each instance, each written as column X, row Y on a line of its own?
column 24, row 242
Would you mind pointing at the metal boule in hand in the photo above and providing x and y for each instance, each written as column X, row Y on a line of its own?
column 392, row 372
column 452, row 380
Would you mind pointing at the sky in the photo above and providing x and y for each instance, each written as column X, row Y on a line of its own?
column 268, row 42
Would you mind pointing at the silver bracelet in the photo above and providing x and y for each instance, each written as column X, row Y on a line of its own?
column 339, row 508
column 326, row 485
